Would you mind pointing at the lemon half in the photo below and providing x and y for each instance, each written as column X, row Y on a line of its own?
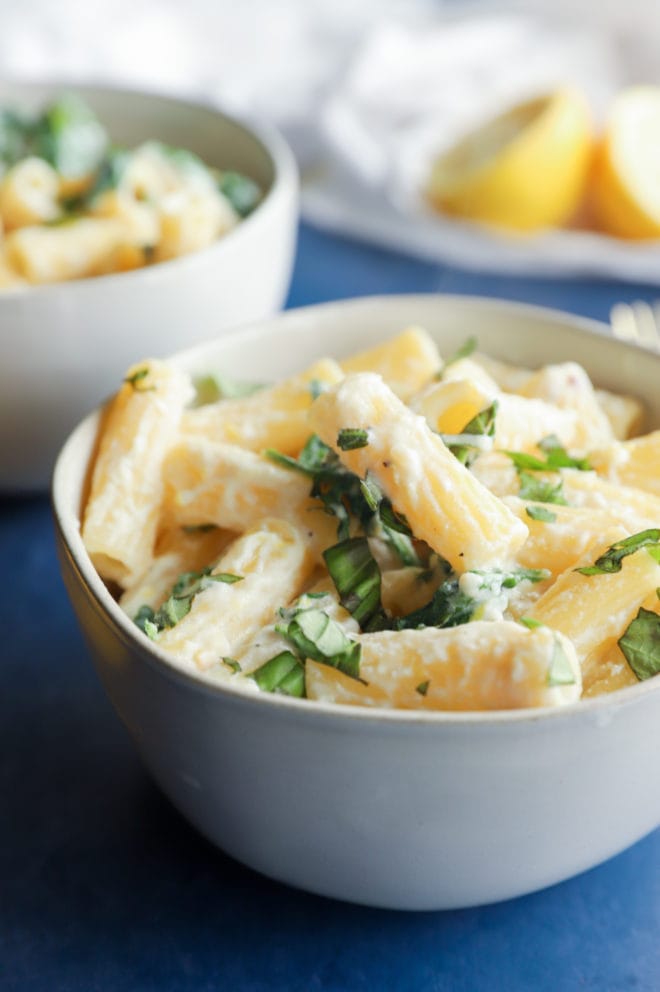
column 626, row 176
column 523, row 170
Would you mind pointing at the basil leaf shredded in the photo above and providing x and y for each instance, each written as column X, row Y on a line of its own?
column 231, row 663
column 448, row 607
column 531, row 623
column 179, row 602
column 640, row 644
column 423, row 687
column 137, row 379
column 557, row 456
column 214, row 387
column 541, row 513
column 611, row 560
column 464, row 351
column 284, row 673
column 14, row 137
column 497, row 579
column 371, row 491
column 242, row 192
column 539, row 490
column 109, row 176
column 144, row 619
column 484, row 424
column 350, row 438
column 68, row 135
column 356, row 576
column 314, row 634
column 316, row 387
column 560, row 671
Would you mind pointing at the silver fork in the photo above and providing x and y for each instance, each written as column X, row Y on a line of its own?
column 638, row 322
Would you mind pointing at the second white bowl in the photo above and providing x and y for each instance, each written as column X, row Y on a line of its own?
column 64, row 345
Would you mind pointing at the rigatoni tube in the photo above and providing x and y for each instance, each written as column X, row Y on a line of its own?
column 443, row 502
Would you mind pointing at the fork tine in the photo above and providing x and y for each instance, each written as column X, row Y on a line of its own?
column 656, row 317
column 647, row 331
column 623, row 323
column 638, row 321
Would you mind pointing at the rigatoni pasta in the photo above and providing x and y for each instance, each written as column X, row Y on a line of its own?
column 122, row 513
column 369, row 533
column 73, row 206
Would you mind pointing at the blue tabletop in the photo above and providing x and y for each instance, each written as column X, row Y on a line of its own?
column 104, row 887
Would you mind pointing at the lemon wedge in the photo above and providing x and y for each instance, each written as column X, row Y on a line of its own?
column 625, row 190
column 523, row 170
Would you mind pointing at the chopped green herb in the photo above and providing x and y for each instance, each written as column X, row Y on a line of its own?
column 611, row 560
column 356, row 576
column 137, row 378
column 145, row 615
column 231, row 663
column 531, row 622
column 541, row 513
column 284, row 673
column 539, row 490
column 403, row 546
column 227, row 577
column 393, row 520
column 214, row 387
column 423, row 687
column 371, row 491
column 560, row 671
column 448, row 607
column 640, row 644
column 482, row 424
column 14, row 137
column 151, row 630
column 315, row 635
column 463, row 352
column 242, row 192
column 529, row 463
column 178, row 603
column 344, row 495
column 350, row 438
column 316, row 387
column 314, row 458
column 497, row 579
column 68, row 135
column 108, row 177
column 558, row 457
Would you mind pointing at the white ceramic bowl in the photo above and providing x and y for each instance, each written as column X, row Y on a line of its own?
column 64, row 345
column 394, row 809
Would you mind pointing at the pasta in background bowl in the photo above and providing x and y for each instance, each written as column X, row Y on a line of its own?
column 74, row 204
column 399, row 808
column 169, row 190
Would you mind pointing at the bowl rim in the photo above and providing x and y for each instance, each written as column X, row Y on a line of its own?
column 263, row 133
column 67, row 521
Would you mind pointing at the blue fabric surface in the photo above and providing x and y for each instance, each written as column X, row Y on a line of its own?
column 104, row 887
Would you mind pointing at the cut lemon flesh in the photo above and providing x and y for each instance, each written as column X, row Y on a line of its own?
column 626, row 174
column 523, row 170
